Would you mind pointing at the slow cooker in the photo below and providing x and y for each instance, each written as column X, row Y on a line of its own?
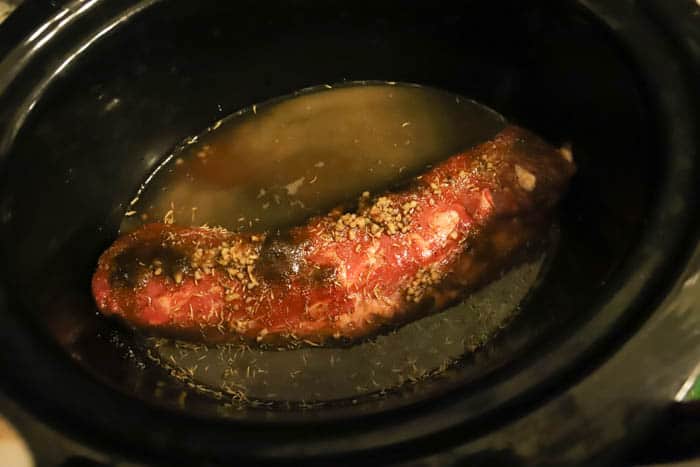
column 94, row 93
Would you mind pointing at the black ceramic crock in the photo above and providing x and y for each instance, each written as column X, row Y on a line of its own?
column 94, row 93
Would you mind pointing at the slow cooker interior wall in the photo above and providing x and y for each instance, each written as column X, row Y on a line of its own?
column 118, row 109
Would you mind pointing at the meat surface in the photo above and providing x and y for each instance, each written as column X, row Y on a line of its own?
column 346, row 275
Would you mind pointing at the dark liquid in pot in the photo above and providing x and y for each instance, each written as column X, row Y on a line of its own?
column 276, row 164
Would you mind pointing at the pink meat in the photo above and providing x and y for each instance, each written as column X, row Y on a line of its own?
column 345, row 275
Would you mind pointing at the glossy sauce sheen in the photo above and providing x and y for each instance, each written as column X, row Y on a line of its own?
column 343, row 275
